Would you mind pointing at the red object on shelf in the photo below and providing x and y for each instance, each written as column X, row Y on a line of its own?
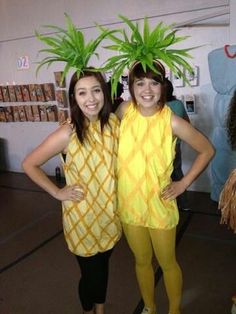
column 228, row 53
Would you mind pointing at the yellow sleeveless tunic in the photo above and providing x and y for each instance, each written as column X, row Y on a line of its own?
column 145, row 163
column 92, row 225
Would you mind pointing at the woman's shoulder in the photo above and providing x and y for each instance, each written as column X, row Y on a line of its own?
column 164, row 115
column 166, row 109
column 66, row 129
column 113, row 117
column 123, row 108
column 114, row 121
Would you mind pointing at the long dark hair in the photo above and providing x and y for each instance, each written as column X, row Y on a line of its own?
column 138, row 72
column 78, row 119
column 231, row 122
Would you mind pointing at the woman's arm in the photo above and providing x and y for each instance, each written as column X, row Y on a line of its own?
column 54, row 144
column 205, row 152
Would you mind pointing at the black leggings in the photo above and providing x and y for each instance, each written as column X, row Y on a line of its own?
column 94, row 279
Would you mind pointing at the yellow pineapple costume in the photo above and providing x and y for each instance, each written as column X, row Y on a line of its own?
column 145, row 163
column 92, row 225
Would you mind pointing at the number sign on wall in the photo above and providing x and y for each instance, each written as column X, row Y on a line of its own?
column 23, row 63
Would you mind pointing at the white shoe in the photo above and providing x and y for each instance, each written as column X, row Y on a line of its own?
column 233, row 311
column 147, row 310
column 186, row 209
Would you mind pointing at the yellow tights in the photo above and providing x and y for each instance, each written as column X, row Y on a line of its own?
column 143, row 241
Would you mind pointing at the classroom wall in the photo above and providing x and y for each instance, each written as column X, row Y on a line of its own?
column 19, row 19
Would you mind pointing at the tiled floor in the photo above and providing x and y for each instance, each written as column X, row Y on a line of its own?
column 40, row 276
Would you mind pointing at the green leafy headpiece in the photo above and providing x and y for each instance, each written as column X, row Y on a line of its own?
column 69, row 46
column 145, row 48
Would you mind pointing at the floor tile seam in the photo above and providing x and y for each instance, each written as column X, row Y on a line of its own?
column 198, row 212
column 21, row 189
column 210, row 238
column 28, row 254
column 25, row 228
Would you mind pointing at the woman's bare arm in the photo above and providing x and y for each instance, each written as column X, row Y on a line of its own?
column 54, row 144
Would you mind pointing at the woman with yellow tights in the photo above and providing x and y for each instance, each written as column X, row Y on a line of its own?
column 146, row 194
column 148, row 132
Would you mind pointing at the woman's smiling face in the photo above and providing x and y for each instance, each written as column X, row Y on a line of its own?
column 89, row 97
column 147, row 93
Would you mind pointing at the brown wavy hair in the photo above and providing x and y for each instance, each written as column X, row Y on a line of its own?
column 78, row 119
column 231, row 122
column 137, row 71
